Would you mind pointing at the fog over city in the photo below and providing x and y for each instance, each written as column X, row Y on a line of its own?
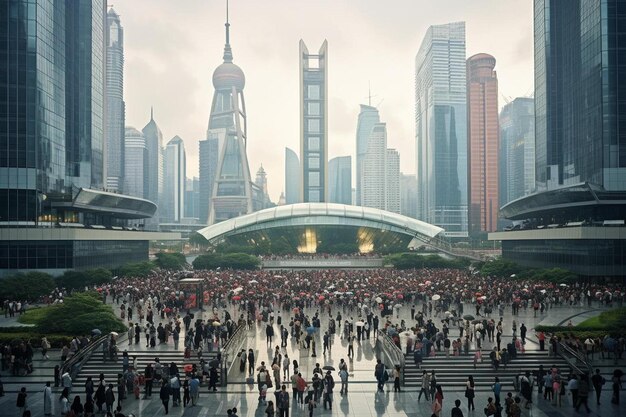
column 171, row 49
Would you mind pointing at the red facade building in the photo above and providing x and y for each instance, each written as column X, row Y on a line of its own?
column 482, row 142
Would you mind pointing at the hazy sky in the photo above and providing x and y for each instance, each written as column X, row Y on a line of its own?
column 173, row 46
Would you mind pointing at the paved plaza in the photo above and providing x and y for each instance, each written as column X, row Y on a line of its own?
column 362, row 400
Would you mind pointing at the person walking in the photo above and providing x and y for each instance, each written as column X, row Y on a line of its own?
column 496, row 388
column 329, row 385
column 343, row 375
column 617, row 385
column 379, row 373
column 282, row 402
column 491, row 409
column 109, row 398
column 269, row 410
column 438, row 401
column 470, row 394
column 175, row 387
column 164, row 394
column 396, row 379
column 425, row 389
column 186, row 395
column 47, row 399
column 194, row 389
column 456, row 410
column 598, row 381
column 64, row 402
column 21, row 402
column 583, row 392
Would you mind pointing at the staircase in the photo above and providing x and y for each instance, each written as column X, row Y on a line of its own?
column 111, row 369
column 452, row 372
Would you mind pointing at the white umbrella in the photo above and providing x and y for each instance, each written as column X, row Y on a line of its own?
column 238, row 289
column 436, row 297
column 332, row 287
column 254, row 281
column 115, row 334
column 484, row 297
column 379, row 300
column 563, row 285
column 543, row 291
column 359, row 323
column 398, row 306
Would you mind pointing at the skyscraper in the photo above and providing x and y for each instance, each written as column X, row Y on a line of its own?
column 232, row 191
column 392, row 183
column 292, row 177
column 314, row 124
column 174, row 179
column 517, row 149
column 340, row 180
column 154, row 144
column 192, row 198
column 408, row 195
column 115, row 107
column 51, row 122
column 483, row 143
column 368, row 117
column 209, row 149
column 441, row 128
column 135, row 163
column 578, row 102
column 380, row 173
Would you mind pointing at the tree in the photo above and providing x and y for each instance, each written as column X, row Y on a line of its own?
column 173, row 261
column 30, row 286
column 196, row 239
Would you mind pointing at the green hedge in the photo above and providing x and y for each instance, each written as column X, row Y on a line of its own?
column 56, row 341
column 504, row 268
column 29, row 286
column 80, row 279
column 77, row 315
column 226, row 261
column 173, row 261
column 417, row 261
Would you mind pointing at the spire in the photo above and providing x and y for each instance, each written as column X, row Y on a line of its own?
column 151, row 113
column 228, row 54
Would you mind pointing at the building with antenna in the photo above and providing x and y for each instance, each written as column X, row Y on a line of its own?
column 314, row 124
column 234, row 193
column 368, row 117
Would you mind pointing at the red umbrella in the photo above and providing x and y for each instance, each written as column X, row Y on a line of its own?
column 322, row 298
column 400, row 296
column 236, row 298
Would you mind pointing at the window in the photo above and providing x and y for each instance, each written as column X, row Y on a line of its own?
column 313, row 109
column 314, row 143
column 314, row 125
column 314, row 179
column 313, row 92
column 314, row 196
column 314, row 163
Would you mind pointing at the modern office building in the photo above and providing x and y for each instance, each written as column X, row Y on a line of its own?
column 192, row 199
column 441, row 128
column 380, row 173
column 154, row 144
column 408, row 195
column 135, row 163
column 292, row 177
column 314, row 124
column 575, row 219
column 483, row 142
column 368, row 117
column 115, row 107
column 392, row 185
column 232, row 193
column 517, row 149
column 174, row 179
column 54, row 214
column 209, row 149
column 340, row 180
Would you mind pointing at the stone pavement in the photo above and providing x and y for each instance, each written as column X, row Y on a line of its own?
column 362, row 399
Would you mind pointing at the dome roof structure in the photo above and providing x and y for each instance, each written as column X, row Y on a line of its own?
column 228, row 75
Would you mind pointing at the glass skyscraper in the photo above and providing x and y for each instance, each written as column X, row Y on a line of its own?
column 580, row 93
column 174, row 178
column 115, row 107
column 154, row 145
column 340, row 180
column 368, row 117
column 136, row 163
column 314, row 124
column 441, row 128
column 292, row 177
column 208, row 164
column 51, row 115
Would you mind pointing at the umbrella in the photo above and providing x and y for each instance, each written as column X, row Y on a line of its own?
column 216, row 323
column 187, row 367
column 484, row 297
column 398, row 305
column 238, row 289
column 115, row 334
column 436, row 297
column 332, row 287
column 166, row 288
column 378, row 300
column 349, row 293
column 96, row 332
column 468, row 317
column 254, row 281
column 236, row 298
column 310, row 330
column 321, row 298
column 562, row 285
column 543, row 291
column 359, row 323
column 328, row 368
column 400, row 296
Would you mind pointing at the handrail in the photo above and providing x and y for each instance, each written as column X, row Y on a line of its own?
column 577, row 357
column 230, row 350
column 76, row 362
column 393, row 354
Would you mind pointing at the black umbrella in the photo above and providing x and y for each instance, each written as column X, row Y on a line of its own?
column 469, row 317
column 328, row 368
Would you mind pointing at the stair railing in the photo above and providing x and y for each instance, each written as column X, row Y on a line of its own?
column 392, row 354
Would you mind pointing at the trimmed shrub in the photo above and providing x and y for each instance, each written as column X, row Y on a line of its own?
column 229, row 260
column 173, row 261
column 30, row 286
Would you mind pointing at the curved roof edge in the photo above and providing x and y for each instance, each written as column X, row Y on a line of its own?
column 404, row 224
column 117, row 205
